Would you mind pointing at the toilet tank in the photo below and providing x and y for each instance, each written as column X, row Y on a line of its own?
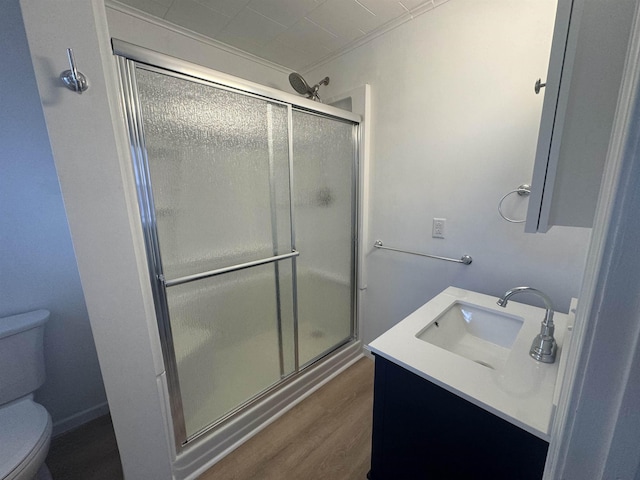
column 21, row 354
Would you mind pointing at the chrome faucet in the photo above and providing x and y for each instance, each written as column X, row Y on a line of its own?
column 543, row 348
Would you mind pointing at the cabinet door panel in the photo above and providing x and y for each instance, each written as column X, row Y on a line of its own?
column 551, row 120
column 421, row 431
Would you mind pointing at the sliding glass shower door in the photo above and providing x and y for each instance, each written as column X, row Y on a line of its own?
column 323, row 169
column 248, row 210
column 218, row 165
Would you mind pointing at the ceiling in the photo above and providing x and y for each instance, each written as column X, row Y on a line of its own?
column 295, row 34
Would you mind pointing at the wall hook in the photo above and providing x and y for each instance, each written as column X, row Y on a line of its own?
column 538, row 86
column 72, row 78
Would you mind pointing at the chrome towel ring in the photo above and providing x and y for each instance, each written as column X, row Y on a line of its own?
column 523, row 190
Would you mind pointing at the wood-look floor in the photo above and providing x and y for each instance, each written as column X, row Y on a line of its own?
column 325, row 437
column 89, row 452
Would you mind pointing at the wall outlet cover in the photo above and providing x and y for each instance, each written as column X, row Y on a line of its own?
column 438, row 227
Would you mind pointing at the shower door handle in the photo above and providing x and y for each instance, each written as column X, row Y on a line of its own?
column 220, row 271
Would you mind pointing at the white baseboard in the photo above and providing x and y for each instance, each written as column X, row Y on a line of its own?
column 80, row 418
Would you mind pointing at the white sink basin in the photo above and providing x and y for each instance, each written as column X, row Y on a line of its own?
column 479, row 334
column 480, row 352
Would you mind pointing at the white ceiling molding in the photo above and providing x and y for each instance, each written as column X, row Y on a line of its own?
column 387, row 27
column 146, row 17
column 288, row 44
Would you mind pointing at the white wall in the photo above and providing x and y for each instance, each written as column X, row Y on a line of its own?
column 455, row 123
column 37, row 263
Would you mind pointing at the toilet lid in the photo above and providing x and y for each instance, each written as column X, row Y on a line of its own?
column 24, row 427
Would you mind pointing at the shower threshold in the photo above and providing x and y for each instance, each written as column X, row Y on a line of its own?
column 210, row 445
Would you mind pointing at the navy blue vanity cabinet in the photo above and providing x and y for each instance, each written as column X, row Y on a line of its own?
column 422, row 431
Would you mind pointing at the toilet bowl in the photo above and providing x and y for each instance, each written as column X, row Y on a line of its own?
column 25, row 426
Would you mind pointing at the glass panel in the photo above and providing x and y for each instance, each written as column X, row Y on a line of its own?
column 225, row 334
column 323, row 172
column 218, row 162
column 219, row 171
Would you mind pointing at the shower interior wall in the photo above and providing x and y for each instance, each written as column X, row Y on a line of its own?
column 454, row 128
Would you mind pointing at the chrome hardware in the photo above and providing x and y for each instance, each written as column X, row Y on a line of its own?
column 72, row 78
column 233, row 268
column 544, row 347
column 538, row 86
column 465, row 259
column 523, row 190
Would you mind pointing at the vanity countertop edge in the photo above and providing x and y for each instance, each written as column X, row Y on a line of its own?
column 524, row 392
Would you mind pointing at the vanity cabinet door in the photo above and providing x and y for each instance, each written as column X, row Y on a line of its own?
column 421, row 431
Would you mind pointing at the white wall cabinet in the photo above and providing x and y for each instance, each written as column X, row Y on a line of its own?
column 587, row 57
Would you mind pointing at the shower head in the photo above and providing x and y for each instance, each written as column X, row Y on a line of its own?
column 301, row 86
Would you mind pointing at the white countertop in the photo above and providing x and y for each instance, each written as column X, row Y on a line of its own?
column 521, row 392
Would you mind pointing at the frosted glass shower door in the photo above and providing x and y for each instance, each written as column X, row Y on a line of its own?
column 324, row 206
column 217, row 163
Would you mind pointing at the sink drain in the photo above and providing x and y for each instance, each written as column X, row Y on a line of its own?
column 484, row 364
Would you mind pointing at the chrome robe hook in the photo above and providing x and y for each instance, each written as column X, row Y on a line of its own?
column 72, row 78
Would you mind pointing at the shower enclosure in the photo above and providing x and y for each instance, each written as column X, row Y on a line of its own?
column 248, row 207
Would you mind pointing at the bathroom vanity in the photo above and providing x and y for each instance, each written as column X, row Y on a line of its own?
column 457, row 395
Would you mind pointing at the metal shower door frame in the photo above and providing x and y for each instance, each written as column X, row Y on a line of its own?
column 355, row 192
column 128, row 56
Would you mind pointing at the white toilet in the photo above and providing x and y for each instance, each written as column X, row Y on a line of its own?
column 25, row 426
